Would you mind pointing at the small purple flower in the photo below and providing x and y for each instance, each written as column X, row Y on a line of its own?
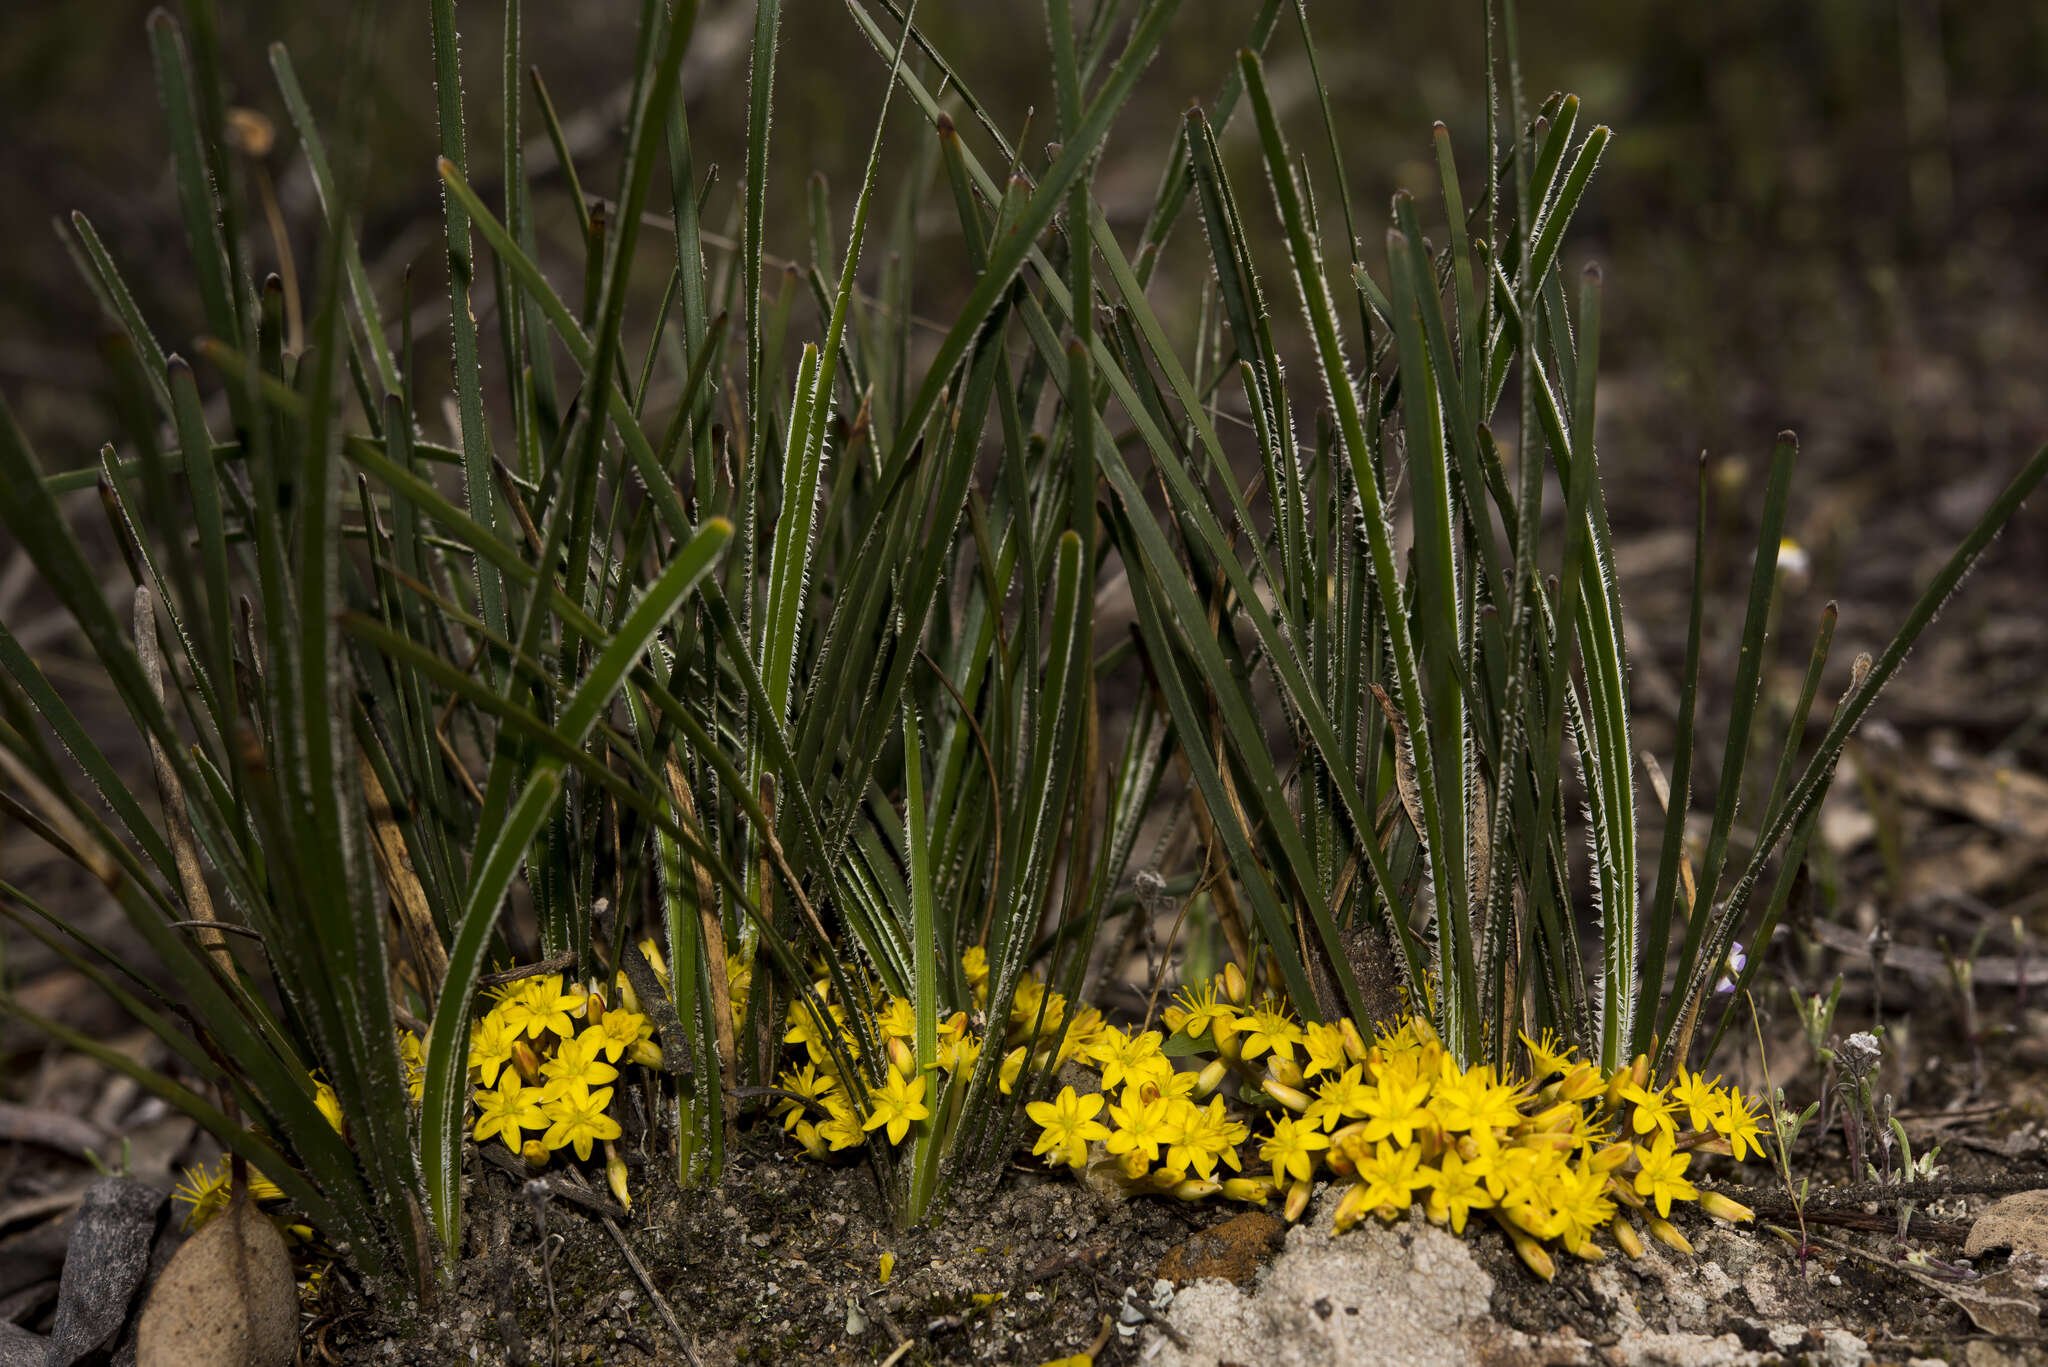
column 1733, row 966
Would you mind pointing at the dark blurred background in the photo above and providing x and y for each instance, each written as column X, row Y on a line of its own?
column 1803, row 200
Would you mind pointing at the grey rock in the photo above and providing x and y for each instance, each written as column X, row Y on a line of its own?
column 20, row 1348
column 105, row 1263
column 1376, row 1297
column 1840, row 1348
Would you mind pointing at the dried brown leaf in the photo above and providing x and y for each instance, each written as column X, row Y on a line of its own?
column 226, row 1300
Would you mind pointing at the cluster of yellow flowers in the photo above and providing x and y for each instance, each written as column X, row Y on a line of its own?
column 1555, row 1157
column 542, row 1057
column 206, row 1190
column 824, row 1115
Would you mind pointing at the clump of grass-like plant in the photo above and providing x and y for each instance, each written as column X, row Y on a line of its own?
column 657, row 645
column 1459, row 717
column 756, row 666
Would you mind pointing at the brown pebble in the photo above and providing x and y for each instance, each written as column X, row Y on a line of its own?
column 2018, row 1222
column 1232, row 1251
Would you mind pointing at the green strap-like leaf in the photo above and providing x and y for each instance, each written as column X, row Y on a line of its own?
column 442, row 1102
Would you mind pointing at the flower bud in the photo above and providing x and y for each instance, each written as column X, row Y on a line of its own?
column 628, row 998
column 1354, row 1043
column 1211, row 1078
column 1196, row 1189
column 535, row 1153
column 1579, row 1084
column 1722, row 1207
column 1626, row 1237
column 1352, row 1133
column 1639, row 1071
column 1132, row 1165
column 1297, row 1200
column 1253, row 1190
column 615, row 1174
column 526, row 1061
column 646, row 1053
column 593, row 1007
column 1664, row 1232
column 1612, row 1156
column 901, row 1059
column 1531, row 1252
column 1345, row 1147
column 1285, row 1071
column 1223, row 1034
column 1586, row 1251
column 1352, row 1208
column 1234, row 986
column 1293, row 1100
column 1166, row 1179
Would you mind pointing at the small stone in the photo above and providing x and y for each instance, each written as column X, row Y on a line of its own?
column 1840, row 1348
column 108, row 1255
column 20, row 1348
column 1761, row 1282
column 1232, row 1251
column 2018, row 1222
